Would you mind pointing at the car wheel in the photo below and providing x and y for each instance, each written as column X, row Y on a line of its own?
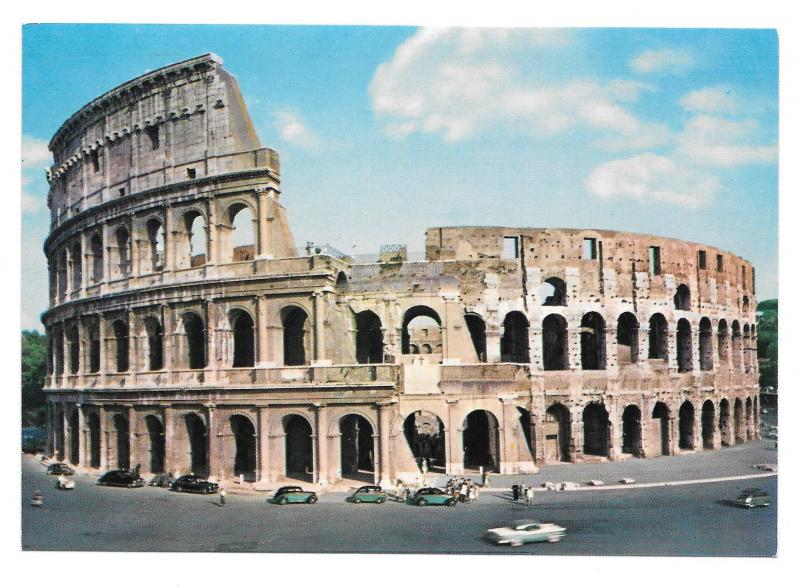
column 206, row 490
column 451, row 502
column 553, row 539
column 178, row 489
column 422, row 502
column 312, row 499
column 356, row 501
column 381, row 500
column 283, row 500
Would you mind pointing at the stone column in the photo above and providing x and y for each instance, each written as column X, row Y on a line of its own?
column 214, row 467
column 536, row 348
column 262, row 318
column 614, row 428
column 454, row 441
column 539, row 438
column 576, row 435
column 213, row 233
column 612, row 359
column 133, row 453
column 48, row 450
column 644, row 432
column 262, row 446
column 672, row 346
column 103, row 432
column 698, row 428
column 264, row 219
column 715, row 364
column 212, row 358
column 321, row 449
column 695, row 348
column 81, row 432
column 509, row 451
column 384, row 454
column 574, row 345
column 643, row 341
column 133, row 245
column 672, row 429
column 319, row 327
column 170, row 235
column 492, row 343
column 84, row 266
column 170, row 440
column 133, row 346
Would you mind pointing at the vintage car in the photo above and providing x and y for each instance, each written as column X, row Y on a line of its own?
column 287, row 494
column 59, row 469
column 525, row 531
column 432, row 496
column 192, row 483
column 752, row 497
column 161, row 481
column 368, row 494
column 121, row 479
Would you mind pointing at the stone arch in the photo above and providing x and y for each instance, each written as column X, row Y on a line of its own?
column 299, row 447
column 661, row 415
column 705, row 347
column 739, row 434
column 736, row 345
column 296, row 336
column 707, row 421
column 341, row 282
column 241, row 218
column 554, row 292
column 94, row 348
column 155, row 343
column 74, row 348
column 593, row 342
column 93, row 423
column 197, row 432
column 243, row 332
column 357, row 447
column 121, row 345
column 555, row 352
column 244, row 438
column 477, row 332
column 425, row 433
column 557, row 432
column 196, row 244
column 627, row 338
column 481, row 441
column 722, row 342
column 745, row 305
column 683, row 298
column 414, row 314
column 658, row 339
column 632, row 430
column 369, row 337
column 122, row 442
column 156, row 244
column 194, row 331
column 514, row 342
column 686, row 426
column 156, row 437
column 746, row 345
column 725, row 430
column 684, row 346
column 595, row 429
column 96, row 249
column 76, row 256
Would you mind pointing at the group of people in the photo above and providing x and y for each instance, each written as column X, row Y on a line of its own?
column 464, row 489
column 519, row 492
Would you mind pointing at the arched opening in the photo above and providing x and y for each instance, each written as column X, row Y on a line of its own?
column 632, row 430
column 705, row 347
column 74, row 347
column 96, row 247
column 369, row 338
column 242, row 232
column 122, row 435
column 74, row 438
column 661, row 416
column 686, row 426
column 745, row 305
column 155, row 344
column 244, row 345
column 557, row 428
column 156, row 243
column 725, row 430
column 658, row 348
column 341, row 281
column 684, row 345
column 93, row 422
column 424, row 432
column 121, row 344
column 554, row 292
column 746, row 354
column 748, row 411
column 707, row 421
column 421, row 325
column 554, row 343
column 425, row 348
column 77, row 266
column 477, row 332
column 195, row 333
column 593, row 342
column 94, row 349
column 155, row 434
column 738, row 422
column 357, row 448
column 296, row 336
column 123, row 257
column 627, row 339
column 736, row 345
column 413, row 349
column 514, row 343
column 595, row 430
column 527, row 427
column 197, row 238
column 244, row 435
column 682, row 298
column 722, row 343
column 198, row 444
column 299, row 448
column 481, row 441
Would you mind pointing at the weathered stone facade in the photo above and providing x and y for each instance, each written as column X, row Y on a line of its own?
column 176, row 345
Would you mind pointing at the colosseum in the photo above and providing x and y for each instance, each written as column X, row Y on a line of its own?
column 188, row 334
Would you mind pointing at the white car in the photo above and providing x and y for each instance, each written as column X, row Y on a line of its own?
column 526, row 531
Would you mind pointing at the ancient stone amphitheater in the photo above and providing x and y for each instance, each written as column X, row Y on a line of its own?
column 187, row 333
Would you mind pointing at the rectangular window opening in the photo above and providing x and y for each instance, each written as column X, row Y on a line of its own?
column 719, row 262
column 510, row 248
column 701, row 259
column 95, row 155
column 654, row 258
column 589, row 250
column 122, row 191
column 152, row 133
column 191, row 172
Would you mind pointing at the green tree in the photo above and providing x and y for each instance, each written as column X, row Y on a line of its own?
column 34, row 354
column 767, row 320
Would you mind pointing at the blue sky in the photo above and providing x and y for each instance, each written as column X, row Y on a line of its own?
column 391, row 130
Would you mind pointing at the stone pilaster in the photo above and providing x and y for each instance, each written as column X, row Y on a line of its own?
column 384, row 453
column 321, row 444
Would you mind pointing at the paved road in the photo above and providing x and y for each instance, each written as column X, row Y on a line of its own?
column 660, row 521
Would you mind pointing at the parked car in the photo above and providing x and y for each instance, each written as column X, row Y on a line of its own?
column 161, row 481
column 192, row 483
column 368, row 494
column 526, row 531
column 433, row 496
column 752, row 497
column 121, row 479
column 288, row 494
column 59, row 469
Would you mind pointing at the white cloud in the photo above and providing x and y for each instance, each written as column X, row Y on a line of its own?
column 720, row 142
column 35, row 153
column 674, row 61
column 293, row 129
column 35, row 157
column 460, row 82
column 712, row 100
column 31, row 204
column 651, row 177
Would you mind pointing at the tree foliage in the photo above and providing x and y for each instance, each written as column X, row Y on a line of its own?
column 34, row 354
column 767, row 320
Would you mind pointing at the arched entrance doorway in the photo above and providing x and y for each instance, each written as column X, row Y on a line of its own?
column 514, row 342
column 707, row 418
column 74, row 438
column 369, row 338
column 123, row 442
column 738, row 422
column 686, row 426
column 595, row 430
column 299, row 448
column 557, row 425
column 424, row 432
column 155, row 432
column 94, row 440
column 481, row 441
column 198, row 444
column 357, row 448
column 632, row 430
column 244, row 435
column 661, row 420
column 725, row 423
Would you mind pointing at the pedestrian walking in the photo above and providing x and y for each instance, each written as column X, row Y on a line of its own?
column 222, row 496
column 529, row 495
column 515, row 491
